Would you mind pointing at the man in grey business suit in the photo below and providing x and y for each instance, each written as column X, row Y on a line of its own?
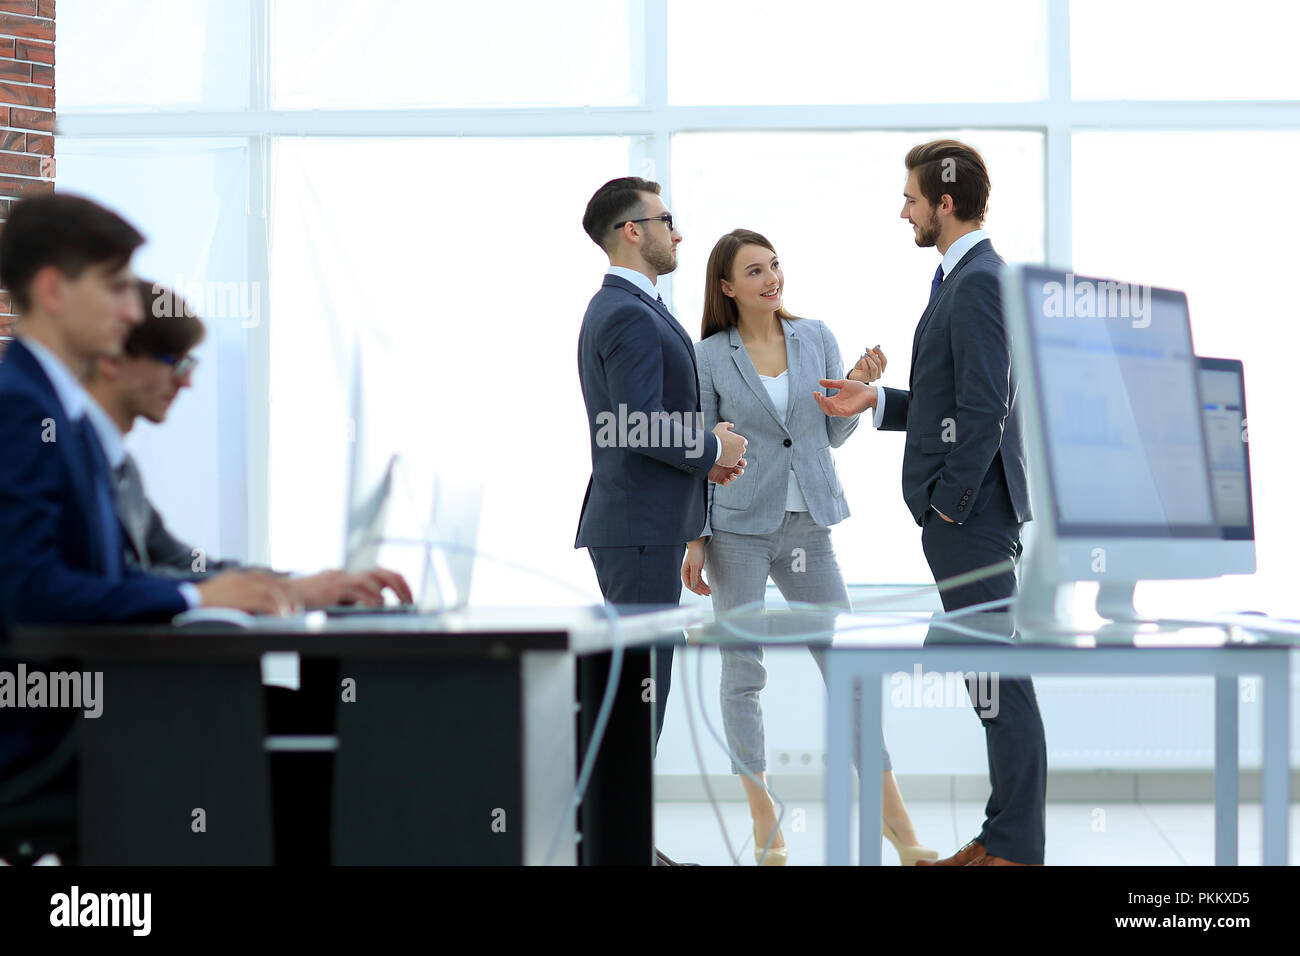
column 142, row 383
column 964, row 475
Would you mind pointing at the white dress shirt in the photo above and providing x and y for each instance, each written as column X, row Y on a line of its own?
column 106, row 430
column 778, row 389
column 647, row 285
column 959, row 248
column 72, row 396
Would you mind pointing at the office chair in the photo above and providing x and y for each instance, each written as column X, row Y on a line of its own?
column 38, row 808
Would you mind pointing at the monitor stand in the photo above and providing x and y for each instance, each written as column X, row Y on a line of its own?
column 1115, row 607
column 1115, row 601
column 1042, row 605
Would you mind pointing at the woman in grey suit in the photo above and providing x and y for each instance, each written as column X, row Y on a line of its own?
column 758, row 367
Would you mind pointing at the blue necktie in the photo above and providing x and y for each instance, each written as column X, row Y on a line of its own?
column 661, row 301
column 110, row 538
column 936, row 282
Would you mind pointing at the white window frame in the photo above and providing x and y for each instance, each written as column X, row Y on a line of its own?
column 651, row 124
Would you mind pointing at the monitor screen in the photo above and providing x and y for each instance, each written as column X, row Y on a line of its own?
column 1223, row 409
column 1119, row 402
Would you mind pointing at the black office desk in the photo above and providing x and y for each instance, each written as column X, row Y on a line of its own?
column 461, row 745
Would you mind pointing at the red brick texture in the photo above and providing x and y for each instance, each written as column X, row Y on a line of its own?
column 26, row 113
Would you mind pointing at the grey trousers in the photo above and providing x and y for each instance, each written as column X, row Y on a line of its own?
column 799, row 558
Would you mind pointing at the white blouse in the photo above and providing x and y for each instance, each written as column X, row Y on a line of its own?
column 778, row 389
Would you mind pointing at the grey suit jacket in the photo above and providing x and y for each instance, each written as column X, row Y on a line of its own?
column 798, row 437
column 147, row 542
column 960, row 409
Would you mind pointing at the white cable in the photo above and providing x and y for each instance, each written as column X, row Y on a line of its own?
column 618, row 646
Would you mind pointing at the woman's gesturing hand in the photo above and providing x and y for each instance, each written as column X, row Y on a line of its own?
column 693, row 567
column 870, row 367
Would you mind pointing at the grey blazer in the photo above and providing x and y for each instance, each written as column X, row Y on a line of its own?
column 147, row 543
column 731, row 391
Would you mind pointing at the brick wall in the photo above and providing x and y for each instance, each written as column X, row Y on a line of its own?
column 26, row 111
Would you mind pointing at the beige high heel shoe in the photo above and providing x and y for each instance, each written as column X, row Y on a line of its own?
column 776, row 856
column 907, row 855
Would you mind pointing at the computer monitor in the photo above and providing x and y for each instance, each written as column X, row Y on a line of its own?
column 402, row 512
column 1223, row 411
column 1119, row 472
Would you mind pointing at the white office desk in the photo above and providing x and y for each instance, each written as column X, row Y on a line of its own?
column 867, row 646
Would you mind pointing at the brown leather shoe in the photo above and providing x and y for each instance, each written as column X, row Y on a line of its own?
column 967, row 855
column 988, row 859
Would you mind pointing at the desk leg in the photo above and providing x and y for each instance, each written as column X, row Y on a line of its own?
column 616, row 817
column 1275, row 770
column 871, row 764
column 549, row 770
column 840, row 720
column 1226, row 796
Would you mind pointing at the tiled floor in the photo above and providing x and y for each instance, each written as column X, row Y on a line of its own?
column 1079, row 834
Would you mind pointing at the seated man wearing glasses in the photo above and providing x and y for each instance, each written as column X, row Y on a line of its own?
column 143, row 381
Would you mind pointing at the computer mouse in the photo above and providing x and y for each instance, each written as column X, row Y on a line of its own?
column 213, row 617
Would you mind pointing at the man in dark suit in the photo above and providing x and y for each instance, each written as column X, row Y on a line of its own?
column 66, row 262
column 964, row 474
column 650, row 453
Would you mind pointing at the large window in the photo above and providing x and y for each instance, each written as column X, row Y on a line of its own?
column 456, row 280
column 404, row 181
column 833, row 51
column 189, row 197
column 1232, row 267
column 830, row 203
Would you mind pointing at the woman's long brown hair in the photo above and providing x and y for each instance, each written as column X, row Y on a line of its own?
column 720, row 310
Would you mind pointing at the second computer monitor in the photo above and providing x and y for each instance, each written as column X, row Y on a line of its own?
column 1223, row 411
column 1116, row 444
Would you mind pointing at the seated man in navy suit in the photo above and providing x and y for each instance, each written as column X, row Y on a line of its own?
column 66, row 263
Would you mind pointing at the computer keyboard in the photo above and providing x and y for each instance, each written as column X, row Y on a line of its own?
column 344, row 610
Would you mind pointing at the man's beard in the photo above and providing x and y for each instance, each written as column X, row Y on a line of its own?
column 661, row 257
column 928, row 235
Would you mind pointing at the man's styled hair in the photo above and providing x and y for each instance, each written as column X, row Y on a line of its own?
column 65, row 231
column 947, row 166
column 170, row 326
column 616, row 201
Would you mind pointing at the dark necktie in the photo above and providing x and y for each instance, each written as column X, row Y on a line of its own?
column 110, row 538
column 133, row 509
column 936, row 282
column 661, row 301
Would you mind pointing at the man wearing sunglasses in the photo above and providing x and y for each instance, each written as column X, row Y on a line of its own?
column 155, row 364
column 648, row 488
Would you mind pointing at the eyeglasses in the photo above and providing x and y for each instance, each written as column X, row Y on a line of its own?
column 181, row 365
column 666, row 219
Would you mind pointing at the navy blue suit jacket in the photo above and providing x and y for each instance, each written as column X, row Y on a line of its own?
column 51, row 552
column 637, row 364
column 960, row 408
column 50, row 548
